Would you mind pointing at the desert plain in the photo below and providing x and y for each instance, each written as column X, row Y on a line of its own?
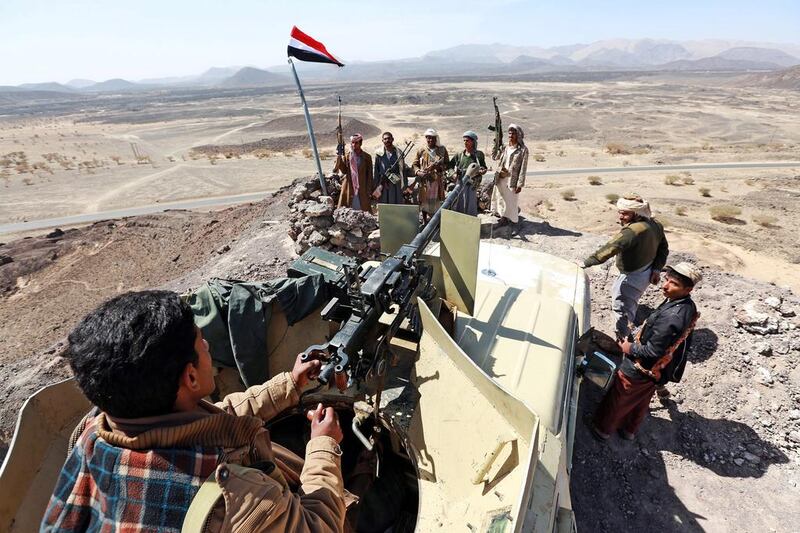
column 724, row 452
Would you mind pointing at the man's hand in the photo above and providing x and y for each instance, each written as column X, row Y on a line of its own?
column 482, row 170
column 518, row 190
column 305, row 371
column 420, row 173
column 655, row 277
column 325, row 423
column 625, row 346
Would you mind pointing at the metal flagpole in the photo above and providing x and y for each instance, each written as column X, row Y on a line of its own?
column 310, row 129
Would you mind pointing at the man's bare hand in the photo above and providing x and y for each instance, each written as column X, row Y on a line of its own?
column 625, row 346
column 655, row 277
column 305, row 371
column 420, row 173
column 518, row 190
column 325, row 423
column 482, row 170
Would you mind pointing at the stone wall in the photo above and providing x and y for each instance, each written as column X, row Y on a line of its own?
column 315, row 221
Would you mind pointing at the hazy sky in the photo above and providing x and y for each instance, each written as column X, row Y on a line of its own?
column 58, row 40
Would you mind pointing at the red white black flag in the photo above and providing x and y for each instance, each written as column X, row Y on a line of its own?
column 305, row 48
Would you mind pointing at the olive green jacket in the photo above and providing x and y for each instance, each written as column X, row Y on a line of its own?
column 637, row 245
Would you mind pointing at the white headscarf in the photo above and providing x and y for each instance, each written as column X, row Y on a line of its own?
column 520, row 134
column 635, row 203
column 430, row 132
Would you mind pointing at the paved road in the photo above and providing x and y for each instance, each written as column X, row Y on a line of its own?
column 705, row 166
column 253, row 197
column 132, row 211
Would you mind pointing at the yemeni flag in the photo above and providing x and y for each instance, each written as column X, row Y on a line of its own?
column 305, row 48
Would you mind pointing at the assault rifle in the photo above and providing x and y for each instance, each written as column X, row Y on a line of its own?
column 339, row 131
column 391, row 287
column 497, row 128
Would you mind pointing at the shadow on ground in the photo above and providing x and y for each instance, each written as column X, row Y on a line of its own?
column 623, row 486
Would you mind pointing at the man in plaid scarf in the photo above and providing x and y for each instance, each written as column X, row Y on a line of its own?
column 140, row 457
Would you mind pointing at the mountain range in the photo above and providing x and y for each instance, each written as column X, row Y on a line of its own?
column 484, row 60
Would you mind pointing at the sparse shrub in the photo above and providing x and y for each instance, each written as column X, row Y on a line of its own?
column 680, row 211
column 595, row 180
column 617, row 149
column 539, row 158
column 672, row 179
column 326, row 154
column 724, row 212
column 307, row 153
column 568, row 195
column 705, row 191
column 561, row 153
column 688, row 180
column 750, row 182
column 612, row 198
column 766, row 221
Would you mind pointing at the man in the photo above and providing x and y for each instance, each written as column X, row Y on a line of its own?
column 641, row 249
column 356, row 170
column 658, row 355
column 468, row 201
column 390, row 174
column 510, row 179
column 139, row 459
column 429, row 164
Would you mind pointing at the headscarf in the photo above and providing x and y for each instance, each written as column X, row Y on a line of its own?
column 472, row 135
column 635, row 203
column 356, row 137
column 520, row 134
column 430, row 132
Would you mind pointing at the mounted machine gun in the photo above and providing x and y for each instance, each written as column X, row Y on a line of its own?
column 392, row 287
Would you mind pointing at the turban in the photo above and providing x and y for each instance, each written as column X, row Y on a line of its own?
column 520, row 133
column 472, row 135
column 355, row 138
column 634, row 203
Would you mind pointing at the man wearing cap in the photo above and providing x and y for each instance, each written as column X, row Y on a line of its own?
column 641, row 249
column 468, row 201
column 429, row 164
column 356, row 169
column 390, row 172
column 655, row 357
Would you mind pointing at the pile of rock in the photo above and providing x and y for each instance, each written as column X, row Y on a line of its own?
column 315, row 221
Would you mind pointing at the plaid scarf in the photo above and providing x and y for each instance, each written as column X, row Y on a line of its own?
column 106, row 488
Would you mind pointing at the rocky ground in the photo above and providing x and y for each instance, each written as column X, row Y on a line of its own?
column 723, row 454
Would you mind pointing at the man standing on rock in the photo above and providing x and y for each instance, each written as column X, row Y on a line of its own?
column 390, row 173
column 429, row 164
column 356, row 170
column 641, row 249
column 656, row 356
column 468, row 201
column 510, row 179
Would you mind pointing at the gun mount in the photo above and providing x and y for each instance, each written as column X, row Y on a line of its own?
column 392, row 288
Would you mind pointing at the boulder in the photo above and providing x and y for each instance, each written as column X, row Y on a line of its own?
column 321, row 222
column 754, row 317
column 317, row 239
column 764, row 376
column 318, row 210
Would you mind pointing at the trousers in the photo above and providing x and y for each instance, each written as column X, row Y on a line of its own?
column 625, row 294
column 625, row 406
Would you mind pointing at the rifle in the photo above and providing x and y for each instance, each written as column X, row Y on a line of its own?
column 339, row 131
column 497, row 128
column 403, row 153
column 392, row 287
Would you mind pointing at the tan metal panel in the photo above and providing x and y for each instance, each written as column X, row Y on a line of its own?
column 460, row 237
column 37, row 453
column 487, row 433
column 399, row 225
